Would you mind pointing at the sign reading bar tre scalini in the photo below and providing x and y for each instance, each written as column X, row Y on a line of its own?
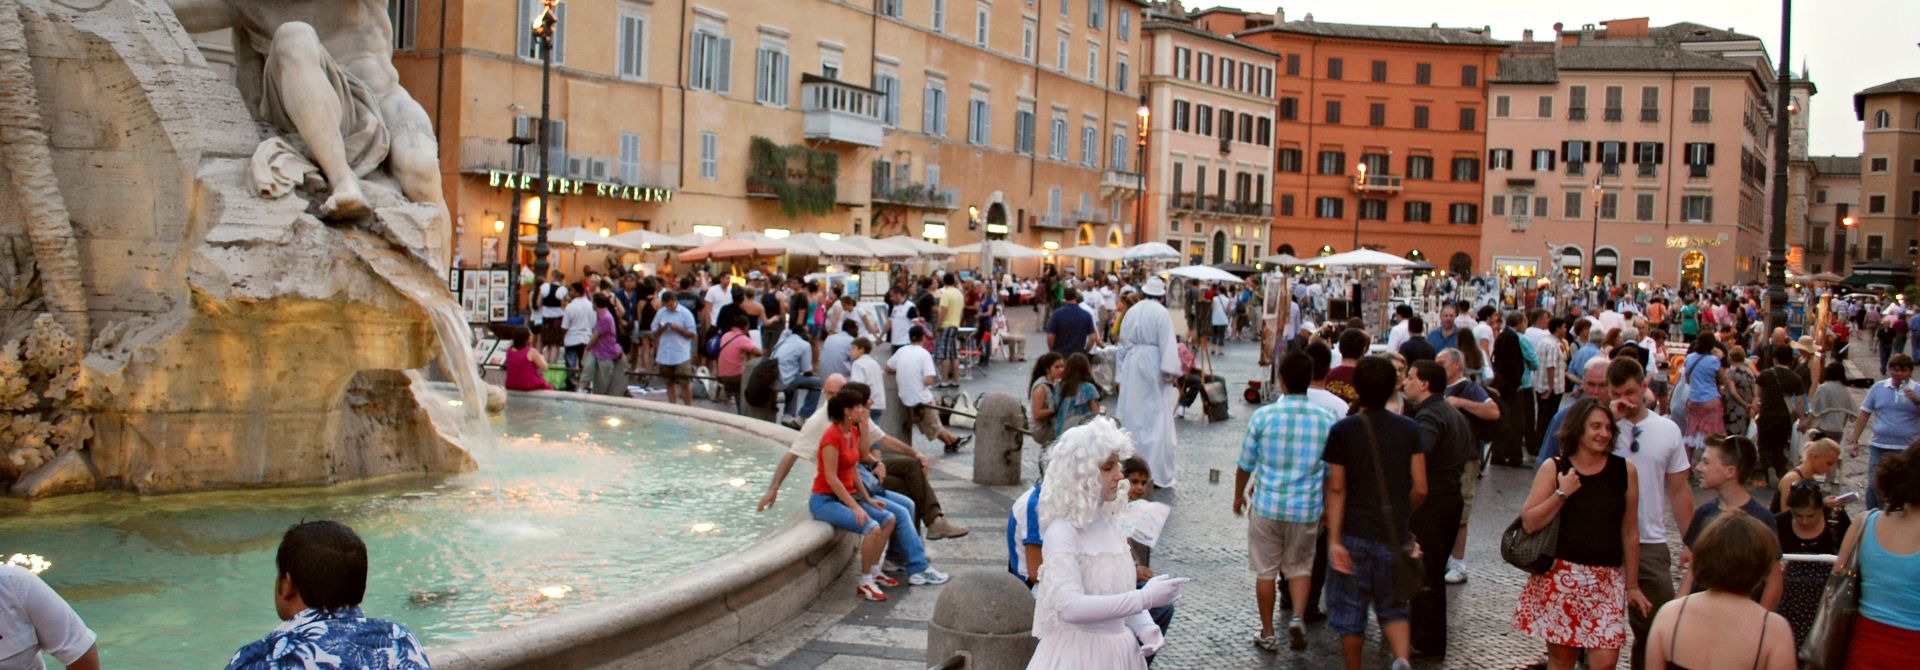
column 563, row 186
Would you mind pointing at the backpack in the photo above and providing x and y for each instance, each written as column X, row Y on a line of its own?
column 713, row 346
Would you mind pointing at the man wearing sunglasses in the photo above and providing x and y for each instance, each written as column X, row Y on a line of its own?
column 1652, row 444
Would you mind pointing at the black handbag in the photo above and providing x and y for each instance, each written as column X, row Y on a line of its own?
column 1532, row 552
column 1409, row 572
column 1826, row 645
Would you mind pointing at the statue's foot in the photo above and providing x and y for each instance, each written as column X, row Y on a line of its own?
column 345, row 203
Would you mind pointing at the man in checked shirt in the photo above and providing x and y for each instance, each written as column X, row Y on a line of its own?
column 1281, row 470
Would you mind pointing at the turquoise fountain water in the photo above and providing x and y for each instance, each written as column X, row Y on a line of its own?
column 580, row 503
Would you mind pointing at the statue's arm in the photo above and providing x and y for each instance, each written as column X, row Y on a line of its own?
column 202, row 16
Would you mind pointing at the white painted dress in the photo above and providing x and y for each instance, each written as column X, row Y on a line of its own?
column 1086, row 608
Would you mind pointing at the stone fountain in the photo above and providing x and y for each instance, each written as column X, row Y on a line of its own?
column 189, row 299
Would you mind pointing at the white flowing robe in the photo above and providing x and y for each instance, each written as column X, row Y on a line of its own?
column 1149, row 357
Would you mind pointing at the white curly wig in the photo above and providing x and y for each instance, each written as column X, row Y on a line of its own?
column 1072, row 487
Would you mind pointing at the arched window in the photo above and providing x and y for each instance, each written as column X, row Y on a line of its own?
column 1916, row 121
column 1460, row 264
column 1284, row 249
column 1882, row 119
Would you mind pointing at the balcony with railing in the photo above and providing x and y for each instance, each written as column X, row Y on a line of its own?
column 480, row 155
column 1377, row 183
column 841, row 112
column 1055, row 221
column 1118, row 182
column 1093, row 215
column 907, row 193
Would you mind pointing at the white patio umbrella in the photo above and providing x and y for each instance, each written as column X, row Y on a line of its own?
column 1093, row 253
column 647, row 240
column 1281, row 259
column 580, row 237
column 879, row 248
column 1361, row 258
column 812, row 244
column 1000, row 249
column 1150, row 251
column 1204, row 273
column 919, row 247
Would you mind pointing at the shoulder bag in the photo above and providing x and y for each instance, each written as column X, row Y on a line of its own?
column 1408, row 571
column 1677, row 405
column 1532, row 552
column 1826, row 645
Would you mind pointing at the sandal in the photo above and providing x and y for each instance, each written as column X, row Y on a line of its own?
column 871, row 593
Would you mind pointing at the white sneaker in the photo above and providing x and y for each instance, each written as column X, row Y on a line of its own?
column 927, row 577
column 1180, row 413
column 890, row 566
column 1456, row 573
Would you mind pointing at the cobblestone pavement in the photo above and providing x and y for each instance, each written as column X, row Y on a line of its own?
column 1215, row 619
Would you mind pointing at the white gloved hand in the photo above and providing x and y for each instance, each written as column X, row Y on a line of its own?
column 1151, row 641
column 1161, row 591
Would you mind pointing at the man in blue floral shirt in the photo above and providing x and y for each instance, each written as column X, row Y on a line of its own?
column 323, row 576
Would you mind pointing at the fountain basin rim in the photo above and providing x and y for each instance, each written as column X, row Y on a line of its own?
column 806, row 547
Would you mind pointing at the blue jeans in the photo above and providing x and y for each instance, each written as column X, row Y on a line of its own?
column 1370, row 585
column 1874, row 454
column 826, row 507
column 812, row 387
column 573, row 355
column 905, row 547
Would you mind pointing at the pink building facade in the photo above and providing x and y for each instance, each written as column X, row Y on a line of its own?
column 1210, row 167
column 1631, row 153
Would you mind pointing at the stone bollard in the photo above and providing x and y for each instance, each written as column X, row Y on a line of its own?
column 769, row 412
column 987, row 617
column 894, row 420
column 996, row 443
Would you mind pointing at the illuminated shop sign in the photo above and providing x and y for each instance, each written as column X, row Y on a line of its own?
column 505, row 179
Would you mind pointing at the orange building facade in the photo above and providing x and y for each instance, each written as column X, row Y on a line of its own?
column 1408, row 103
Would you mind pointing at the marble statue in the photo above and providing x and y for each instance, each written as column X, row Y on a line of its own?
column 322, row 70
column 169, row 322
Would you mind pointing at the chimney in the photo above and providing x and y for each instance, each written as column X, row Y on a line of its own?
column 1526, row 35
column 1309, row 18
column 1434, row 30
column 1279, row 15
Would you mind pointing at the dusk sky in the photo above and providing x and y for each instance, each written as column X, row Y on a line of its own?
column 1847, row 45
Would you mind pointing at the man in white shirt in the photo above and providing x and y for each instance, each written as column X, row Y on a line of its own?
column 1397, row 335
column 915, row 373
column 35, row 620
column 1652, row 444
column 577, row 320
column 718, row 295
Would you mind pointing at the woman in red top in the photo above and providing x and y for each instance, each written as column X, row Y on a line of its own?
column 526, row 368
column 835, row 487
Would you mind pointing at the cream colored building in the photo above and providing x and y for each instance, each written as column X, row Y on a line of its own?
column 1834, row 197
column 891, row 117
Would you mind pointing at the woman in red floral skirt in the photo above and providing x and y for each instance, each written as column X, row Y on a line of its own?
column 1581, row 603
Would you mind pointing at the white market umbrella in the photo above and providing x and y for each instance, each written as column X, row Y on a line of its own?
column 1000, row 249
column 1204, row 273
column 1093, row 253
column 1361, row 258
column 879, row 248
column 1282, row 259
column 579, row 237
column 1151, row 251
column 813, row 244
column 647, row 240
column 919, row 247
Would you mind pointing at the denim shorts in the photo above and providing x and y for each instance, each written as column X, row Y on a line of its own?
column 826, row 507
column 1371, row 584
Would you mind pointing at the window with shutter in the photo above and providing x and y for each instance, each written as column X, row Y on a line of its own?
column 1499, row 205
column 632, row 54
column 1650, row 104
column 1377, row 114
column 1423, row 73
column 1540, row 206
column 1643, row 207
column 1546, row 106
column 1089, row 146
column 1573, row 209
column 1289, row 160
column 1335, row 68
column 1420, row 116
column 1333, row 112
column 1379, row 71
column 629, row 158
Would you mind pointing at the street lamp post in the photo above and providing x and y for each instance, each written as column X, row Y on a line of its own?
column 543, row 39
column 1777, row 252
column 519, row 143
column 1840, row 241
column 1142, row 118
column 1593, row 244
column 1360, row 193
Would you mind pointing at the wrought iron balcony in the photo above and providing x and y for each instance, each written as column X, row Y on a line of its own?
column 1377, row 183
column 841, row 112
